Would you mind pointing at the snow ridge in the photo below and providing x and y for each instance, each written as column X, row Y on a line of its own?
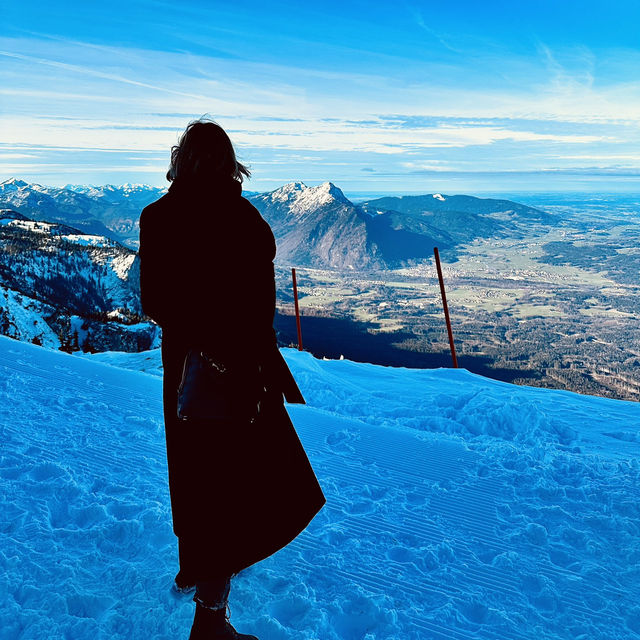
column 303, row 199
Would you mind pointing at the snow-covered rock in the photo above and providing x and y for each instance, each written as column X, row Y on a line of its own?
column 24, row 318
column 302, row 199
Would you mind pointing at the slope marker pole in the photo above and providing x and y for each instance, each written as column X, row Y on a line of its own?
column 295, row 299
column 446, row 308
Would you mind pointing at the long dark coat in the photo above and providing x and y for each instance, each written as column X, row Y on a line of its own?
column 239, row 491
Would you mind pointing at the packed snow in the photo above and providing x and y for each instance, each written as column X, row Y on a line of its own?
column 457, row 508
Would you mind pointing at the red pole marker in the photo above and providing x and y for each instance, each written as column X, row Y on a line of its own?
column 295, row 298
column 446, row 309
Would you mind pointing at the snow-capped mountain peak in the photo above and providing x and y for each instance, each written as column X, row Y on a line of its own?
column 12, row 184
column 328, row 189
column 287, row 192
column 302, row 198
column 323, row 194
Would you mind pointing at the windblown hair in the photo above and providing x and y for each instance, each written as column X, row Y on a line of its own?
column 204, row 152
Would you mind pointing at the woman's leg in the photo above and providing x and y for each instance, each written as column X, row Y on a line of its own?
column 213, row 594
column 211, row 622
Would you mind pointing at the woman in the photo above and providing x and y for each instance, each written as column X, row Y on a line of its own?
column 242, row 489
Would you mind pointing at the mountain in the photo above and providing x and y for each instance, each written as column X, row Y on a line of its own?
column 464, row 218
column 108, row 211
column 135, row 195
column 121, row 206
column 314, row 226
column 72, row 282
column 53, row 204
column 318, row 227
column 437, row 202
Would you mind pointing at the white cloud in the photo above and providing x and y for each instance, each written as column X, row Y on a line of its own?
column 52, row 102
column 609, row 157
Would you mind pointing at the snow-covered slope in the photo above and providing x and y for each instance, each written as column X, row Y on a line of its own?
column 24, row 318
column 59, row 272
column 459, row 508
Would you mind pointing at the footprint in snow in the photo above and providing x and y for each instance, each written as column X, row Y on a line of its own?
column 339, row 441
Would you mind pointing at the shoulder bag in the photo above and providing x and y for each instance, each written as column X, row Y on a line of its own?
column 211, row 391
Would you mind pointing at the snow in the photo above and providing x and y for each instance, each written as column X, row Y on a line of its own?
column 12, row 183
column 122, row 264
column 28, row 225
column 458, row 507
column 24, row 318
column 303, row 199
column 289, row 191
column 87, row 240
column 48, row 228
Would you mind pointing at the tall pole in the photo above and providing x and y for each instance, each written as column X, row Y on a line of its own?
column 446, row 308
column 295, row 299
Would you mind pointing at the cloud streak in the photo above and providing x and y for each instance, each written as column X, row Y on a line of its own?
column 544, row 110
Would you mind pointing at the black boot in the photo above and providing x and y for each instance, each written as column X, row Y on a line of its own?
column 182, row 585
column 211, row 621
column 213, row 624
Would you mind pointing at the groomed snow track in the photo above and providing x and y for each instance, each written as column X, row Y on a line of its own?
column 409, row 545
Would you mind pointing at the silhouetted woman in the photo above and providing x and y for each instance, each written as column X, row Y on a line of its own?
column 243, row 489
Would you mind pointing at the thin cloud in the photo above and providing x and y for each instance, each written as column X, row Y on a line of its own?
column 129, row 102
column 436, row 35
column 97, row 74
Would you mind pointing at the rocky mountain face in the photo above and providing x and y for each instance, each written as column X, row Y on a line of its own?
column 62, row 287
column 108, row 211
column 318, row 227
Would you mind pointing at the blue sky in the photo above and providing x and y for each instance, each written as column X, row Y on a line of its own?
column 374, row 96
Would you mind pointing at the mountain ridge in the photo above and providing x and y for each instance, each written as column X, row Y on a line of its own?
column 314, row 226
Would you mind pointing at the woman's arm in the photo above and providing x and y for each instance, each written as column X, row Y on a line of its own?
column 157, row 289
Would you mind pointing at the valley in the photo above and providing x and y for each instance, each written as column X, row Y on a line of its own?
column 517, row 315
column 542, row 288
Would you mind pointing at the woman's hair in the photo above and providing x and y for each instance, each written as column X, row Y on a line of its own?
column 204, row 151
